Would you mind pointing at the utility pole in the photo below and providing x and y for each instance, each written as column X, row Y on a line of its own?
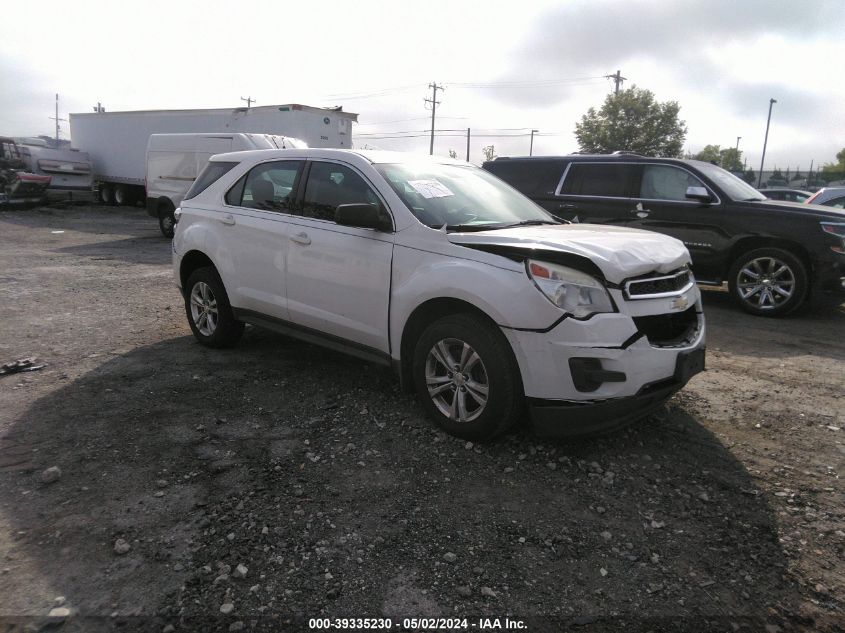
column 531, row 147
column 434, row 103
column 249, row 101
column 617, row 79
column 765, row 142
column 468, row 144
column 737, row 147
column 57, row 119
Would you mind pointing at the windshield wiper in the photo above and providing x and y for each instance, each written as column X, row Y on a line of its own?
column 466, row 228
column 531, row 223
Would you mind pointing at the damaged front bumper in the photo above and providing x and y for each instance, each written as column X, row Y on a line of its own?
column 583, row 377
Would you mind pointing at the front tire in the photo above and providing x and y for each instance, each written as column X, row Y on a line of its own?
column 166, row 221
column 209, row 311
column 768, row 282
column 466, row 377
column 106, row 193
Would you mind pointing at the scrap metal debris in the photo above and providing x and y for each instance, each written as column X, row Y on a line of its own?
column 20, row 365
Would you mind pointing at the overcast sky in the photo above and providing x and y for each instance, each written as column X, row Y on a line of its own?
column 506, row 67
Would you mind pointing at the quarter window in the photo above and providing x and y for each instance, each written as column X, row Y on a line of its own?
column 209, row 175
column 268, row 186
column 330, row 185
column 598, row 179
column 663, row 182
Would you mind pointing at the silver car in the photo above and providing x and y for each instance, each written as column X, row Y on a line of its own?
column 829, row 197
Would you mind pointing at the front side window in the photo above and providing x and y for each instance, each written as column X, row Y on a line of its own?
column 664, row 182
column 330, row 185
column 838, row 203
column 598, row 179
column 268, row 186
column 209, row 175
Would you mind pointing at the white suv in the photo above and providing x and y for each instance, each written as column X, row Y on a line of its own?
column 479, row 299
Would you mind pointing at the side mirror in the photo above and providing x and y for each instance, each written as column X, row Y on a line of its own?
column 699, row 193
column 363, row 216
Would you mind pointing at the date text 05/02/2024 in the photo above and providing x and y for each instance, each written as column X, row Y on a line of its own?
column 418, row 624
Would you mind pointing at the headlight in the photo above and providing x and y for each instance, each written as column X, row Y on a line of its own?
column 837, row 229
column 578, row 293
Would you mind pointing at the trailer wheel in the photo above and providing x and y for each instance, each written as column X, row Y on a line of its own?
column 123, row 196
column 106, row 193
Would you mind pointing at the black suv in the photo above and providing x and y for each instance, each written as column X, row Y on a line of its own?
column 774, row 255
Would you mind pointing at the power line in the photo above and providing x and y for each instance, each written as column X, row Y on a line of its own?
column 422, row 118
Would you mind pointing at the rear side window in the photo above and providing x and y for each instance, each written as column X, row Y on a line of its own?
column 209, row 175
column 598, row 179
column 268, row 186
column 537, row 177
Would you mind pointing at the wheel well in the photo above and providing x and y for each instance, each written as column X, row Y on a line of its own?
column 750, row 243
column 191, row 262
column 424, row 315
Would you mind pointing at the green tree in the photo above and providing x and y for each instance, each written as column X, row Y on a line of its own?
column 750, row 177
column 632, row 121
column 489, row 152
column 838, row 166
column 729, row 158
column 710, row 154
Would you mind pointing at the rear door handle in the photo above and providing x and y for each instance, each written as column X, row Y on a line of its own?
column 228, row 219
column 301, row 238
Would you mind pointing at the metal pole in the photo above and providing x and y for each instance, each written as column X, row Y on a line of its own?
column 765, row 142
column 531, row 147
column 468, row 144
column 57, row 120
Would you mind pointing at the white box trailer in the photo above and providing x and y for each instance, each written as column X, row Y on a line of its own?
column 117, row 141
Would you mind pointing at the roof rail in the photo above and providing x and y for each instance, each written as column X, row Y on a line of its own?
column 621, row 152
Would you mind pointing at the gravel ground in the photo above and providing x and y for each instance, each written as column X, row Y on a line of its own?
column 257, row 487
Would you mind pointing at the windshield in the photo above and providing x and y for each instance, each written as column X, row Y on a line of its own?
column 735, row 188
column 464, row 198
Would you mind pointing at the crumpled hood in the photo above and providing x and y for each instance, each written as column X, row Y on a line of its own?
column 619, row 252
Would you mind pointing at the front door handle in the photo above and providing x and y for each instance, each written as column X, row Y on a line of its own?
column 228, row 219
column 566, row 206
column 640, row 212
column 301, row 238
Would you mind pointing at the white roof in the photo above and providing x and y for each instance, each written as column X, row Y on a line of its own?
column 371, row 156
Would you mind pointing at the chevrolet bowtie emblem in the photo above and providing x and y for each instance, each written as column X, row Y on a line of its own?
column 679, row 303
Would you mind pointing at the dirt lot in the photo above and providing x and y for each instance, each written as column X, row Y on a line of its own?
column 724, row 511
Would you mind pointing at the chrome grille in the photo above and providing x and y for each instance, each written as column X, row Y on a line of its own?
column 663, row 286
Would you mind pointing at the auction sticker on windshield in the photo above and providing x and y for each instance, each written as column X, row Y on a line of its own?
column 431, row 188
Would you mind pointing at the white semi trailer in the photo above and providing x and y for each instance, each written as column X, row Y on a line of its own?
column 117, row 141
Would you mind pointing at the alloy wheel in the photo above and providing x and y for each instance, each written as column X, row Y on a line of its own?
column 204, row 308
column 765, row 283
column 456, row 380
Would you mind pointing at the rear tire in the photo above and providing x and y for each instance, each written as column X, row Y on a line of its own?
column 123, row 196
column 209, row 311
column 768, row 282
column 106, row 193
column 466, row 377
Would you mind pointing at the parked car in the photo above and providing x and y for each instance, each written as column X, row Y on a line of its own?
column 790, row 195
column 829, row 197
column 773, row 254
column 479, row 299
